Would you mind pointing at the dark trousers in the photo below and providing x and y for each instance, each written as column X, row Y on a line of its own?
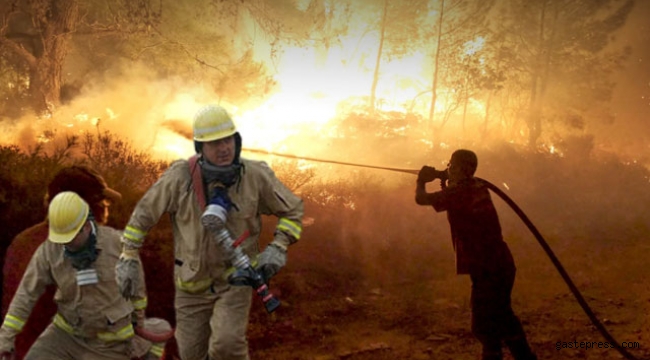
column 493, row 321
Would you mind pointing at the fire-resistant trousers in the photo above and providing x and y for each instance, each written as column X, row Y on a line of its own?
column 213, row 323
column 56, row 344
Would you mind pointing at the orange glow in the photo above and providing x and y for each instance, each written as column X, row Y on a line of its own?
column 313, row 84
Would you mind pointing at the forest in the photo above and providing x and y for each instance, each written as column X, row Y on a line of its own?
column 530, row 86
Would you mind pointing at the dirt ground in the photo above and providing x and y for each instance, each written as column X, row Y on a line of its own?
column 427, row 316
column 388, row 290
column 379, row 283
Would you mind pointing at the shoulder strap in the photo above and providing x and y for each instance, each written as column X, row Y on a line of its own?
column 197, row 181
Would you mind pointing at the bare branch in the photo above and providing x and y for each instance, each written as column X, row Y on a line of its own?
column 18, row 50
column 185, row 50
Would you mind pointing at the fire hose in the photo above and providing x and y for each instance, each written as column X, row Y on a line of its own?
column 549, row 252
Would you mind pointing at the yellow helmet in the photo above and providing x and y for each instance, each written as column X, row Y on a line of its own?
column 212, row 122
column 67, row 214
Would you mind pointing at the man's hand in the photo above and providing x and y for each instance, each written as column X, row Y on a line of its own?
column 137, row 318
column 6, row 349
column 271, row 260
column 427, row 174
column 127, row 273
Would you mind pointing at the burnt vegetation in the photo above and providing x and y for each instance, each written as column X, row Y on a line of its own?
column 369, row 254
column 528, row 85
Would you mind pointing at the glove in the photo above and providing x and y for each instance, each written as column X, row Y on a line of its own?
column 271, row 260
column 7, row 347
column 427, row 174
column 127, row 273
column 137, row 318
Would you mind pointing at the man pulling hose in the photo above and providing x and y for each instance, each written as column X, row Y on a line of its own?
column 480, row 252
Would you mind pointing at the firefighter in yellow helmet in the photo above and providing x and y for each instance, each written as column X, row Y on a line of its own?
column 212, row 313
column 92, row 187
column 93, row 320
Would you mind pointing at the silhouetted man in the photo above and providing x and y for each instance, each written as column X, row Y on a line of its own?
column 480, row 252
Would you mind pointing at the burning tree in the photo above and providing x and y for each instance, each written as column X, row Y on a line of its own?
column 398, row 34
column 559, row 46
column 38, row 33
column 456, row 22
column 188, row 38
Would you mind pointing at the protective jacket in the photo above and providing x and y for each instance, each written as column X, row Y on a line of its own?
column 19, row 252
column 200, row 261
column 86, row 308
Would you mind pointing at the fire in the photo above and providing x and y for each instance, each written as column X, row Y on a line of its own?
column 312, row 86
column 313, row 83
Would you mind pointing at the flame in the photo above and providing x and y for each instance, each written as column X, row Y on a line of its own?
column 313, row 84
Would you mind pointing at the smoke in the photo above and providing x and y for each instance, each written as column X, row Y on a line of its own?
column 592, row 212
column 20, row 133
column 182, row 128
column 135, row 106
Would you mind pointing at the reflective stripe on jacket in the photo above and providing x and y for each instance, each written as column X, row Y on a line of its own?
column 122, row 333
column 199, row 260
column 89, row 310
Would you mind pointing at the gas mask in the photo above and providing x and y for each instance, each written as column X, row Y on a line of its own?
column 226, row 175
column 83, row 258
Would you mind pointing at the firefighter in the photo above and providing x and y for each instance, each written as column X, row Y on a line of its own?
column 93, row 189
column 93, row 320
column 480, row 252
column 211, row 314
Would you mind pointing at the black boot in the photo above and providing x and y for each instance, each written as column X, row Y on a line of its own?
column 491, row 349
column 520, row 349
column 491, row 355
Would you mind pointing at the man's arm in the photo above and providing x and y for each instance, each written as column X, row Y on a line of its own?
column 440, row 200
column 421, row 195
column 278, row 200
column 158, row 200
column 425, row 175
column 36, row 278
column 140, row 302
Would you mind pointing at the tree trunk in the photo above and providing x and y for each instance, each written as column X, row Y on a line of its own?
column 465, row 102
column 534, row 120
column 545, row 75
column 486, row 119
column 436, row 62
column 466, row 96
column 45, row 85
column 55, row 21
column 375, row 77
